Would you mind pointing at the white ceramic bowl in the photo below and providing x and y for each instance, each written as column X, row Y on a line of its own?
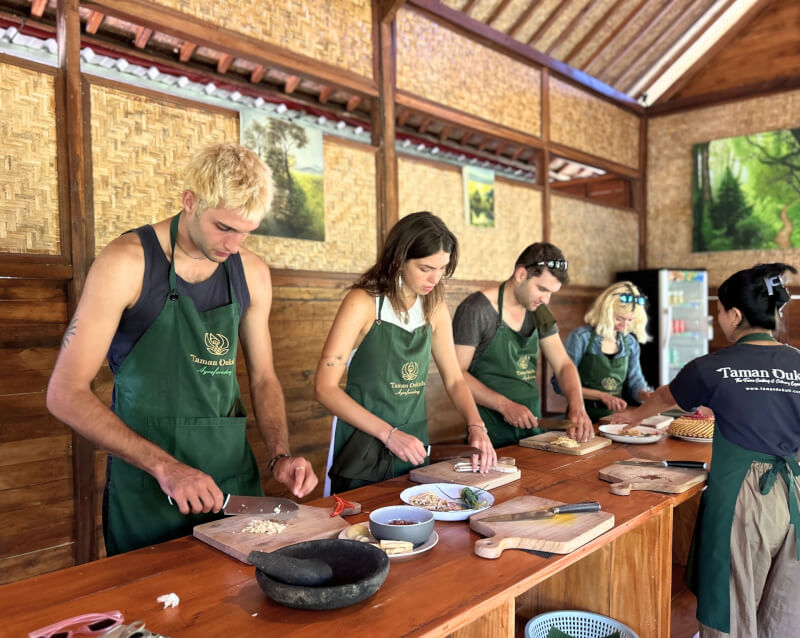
column 417, row 528
column 615, row 433
column 452, row 492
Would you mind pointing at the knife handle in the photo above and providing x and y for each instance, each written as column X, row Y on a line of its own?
column 692, row 465
column 574, row 508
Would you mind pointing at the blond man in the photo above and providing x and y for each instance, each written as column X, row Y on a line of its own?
column 167, row 304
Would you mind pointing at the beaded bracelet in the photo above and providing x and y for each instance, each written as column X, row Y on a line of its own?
column 275, row 459
column 386, row 442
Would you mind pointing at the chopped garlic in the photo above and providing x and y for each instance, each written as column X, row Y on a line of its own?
column 169, row 600
column 265, row 527
column 564, row 441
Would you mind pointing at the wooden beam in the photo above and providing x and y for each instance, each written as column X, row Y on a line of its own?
column 593, row 160
column 426, row 122
column 292, row 82
column 445, row 133
column 384, row 38
column 636, row 38
column 718, row 11
column 186, row 27
column 612, row 37
column 543, row 158
column 403, row 117
column 720, row 44
column 465, row 120
column 485, row 144
column 517, row 153
column 466, row 8
column 352, row 103
column 224, row 63
column 599, row 24
column 484, row 34
column 324, row 94
column 550, row 19
column 93, row 21
column 142, row 36
column 500, row 148
column 389, row 9
column 523, row 17
column 186, row 51
column 499, row 8
column 566, row 31
column 38, row 7
column 659, row 39
column 72, row 142
column 258, row 74
column 639, row 193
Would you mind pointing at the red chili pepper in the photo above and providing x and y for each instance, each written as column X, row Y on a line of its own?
column 340, row 506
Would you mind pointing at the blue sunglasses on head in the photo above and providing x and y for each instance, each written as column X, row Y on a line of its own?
column 629, row 297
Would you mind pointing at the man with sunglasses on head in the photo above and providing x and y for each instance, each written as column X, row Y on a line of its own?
column 606, row 350
column 498, row 332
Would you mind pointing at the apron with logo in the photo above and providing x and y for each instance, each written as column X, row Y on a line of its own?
column 508, row 366
column 387, row 376
column 177, row 388
column 603, row 373
column 709, row 569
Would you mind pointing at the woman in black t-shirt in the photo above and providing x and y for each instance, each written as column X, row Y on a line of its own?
column 745, row 561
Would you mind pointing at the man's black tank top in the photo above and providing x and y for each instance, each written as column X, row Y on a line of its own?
column 208, row 294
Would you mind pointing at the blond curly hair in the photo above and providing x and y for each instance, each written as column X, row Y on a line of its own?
column 601, row 313
column 232, row 176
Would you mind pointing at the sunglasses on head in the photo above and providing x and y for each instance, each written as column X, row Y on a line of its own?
column 86, row 624
column 552, row 264
column 629, row 297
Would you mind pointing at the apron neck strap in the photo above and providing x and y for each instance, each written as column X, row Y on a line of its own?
column 500, row 304
column 173, row 238
column 756, row 336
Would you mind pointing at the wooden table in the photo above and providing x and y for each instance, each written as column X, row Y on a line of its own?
column 626, row 573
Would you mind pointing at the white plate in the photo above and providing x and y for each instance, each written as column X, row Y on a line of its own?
column 428, row 544
column 614, row 432
column 452, row 492
column 693, row 439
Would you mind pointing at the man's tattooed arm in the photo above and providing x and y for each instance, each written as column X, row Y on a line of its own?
column 71, row 328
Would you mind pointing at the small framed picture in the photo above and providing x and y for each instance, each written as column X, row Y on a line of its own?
column 478, row 196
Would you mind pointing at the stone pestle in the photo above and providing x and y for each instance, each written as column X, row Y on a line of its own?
column 304, row 572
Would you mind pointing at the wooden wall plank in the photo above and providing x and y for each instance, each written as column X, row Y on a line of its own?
column 37, row 562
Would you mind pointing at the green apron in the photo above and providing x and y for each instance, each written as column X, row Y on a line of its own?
column 177, row 388
column 387, row 377
column 508, row 366
column 603, row 373
column 709, row 567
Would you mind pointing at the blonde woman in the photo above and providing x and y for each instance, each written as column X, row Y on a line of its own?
column 606, row 350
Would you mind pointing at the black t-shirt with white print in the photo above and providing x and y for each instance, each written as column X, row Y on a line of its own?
column 754, row 392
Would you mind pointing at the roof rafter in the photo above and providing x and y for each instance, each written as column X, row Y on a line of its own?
column 38, row 7
column 258, row 74
column 591, row 33
column 497, row 11
column 549, row 20
column 591, row 4
column 612, row 37
column 93, row 21
column 523, row 17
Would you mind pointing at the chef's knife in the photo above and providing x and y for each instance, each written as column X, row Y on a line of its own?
column 691, row 465
column 276, row 508
column 547, row 512
column 447, row 451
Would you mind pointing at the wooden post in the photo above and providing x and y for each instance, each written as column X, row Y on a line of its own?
column 72, row 143
column 543, row 167
column 383, row 123
column 639, row 194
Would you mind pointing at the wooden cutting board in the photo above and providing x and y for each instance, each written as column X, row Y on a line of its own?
column 543, row 442
column 310, row 523
column 561, row 534
column 672, row 480
column 443, row 472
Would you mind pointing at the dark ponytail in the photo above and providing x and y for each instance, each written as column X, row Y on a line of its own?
column 758, row 293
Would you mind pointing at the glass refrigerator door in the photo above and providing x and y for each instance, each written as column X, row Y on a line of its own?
column 683, row 300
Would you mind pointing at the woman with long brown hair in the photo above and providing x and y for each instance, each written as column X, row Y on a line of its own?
column 388, row 325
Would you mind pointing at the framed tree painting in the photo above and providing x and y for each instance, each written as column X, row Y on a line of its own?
column 478, row 196
column 746, row 192
column 294, row 153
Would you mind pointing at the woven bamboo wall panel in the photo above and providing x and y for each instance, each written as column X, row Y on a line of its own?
column 140, row 147
column 485, row 253
column 350, row 218
column 598, row 241
column 465, row 75
column 669, row 180
column 29, row 221
column 338, row 32
column 593, row 125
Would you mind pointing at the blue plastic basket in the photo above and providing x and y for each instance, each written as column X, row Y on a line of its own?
column 580, row 624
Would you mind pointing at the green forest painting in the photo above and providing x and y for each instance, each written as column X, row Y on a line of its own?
column 294, row 153
column 478, row 196
column 746, row 192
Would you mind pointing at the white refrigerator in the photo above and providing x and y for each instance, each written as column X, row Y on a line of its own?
column 678, row 320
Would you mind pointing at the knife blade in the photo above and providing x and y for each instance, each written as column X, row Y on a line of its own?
column 277, row 508
column 447, row 451
column 691, row 465
column 547, row 512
